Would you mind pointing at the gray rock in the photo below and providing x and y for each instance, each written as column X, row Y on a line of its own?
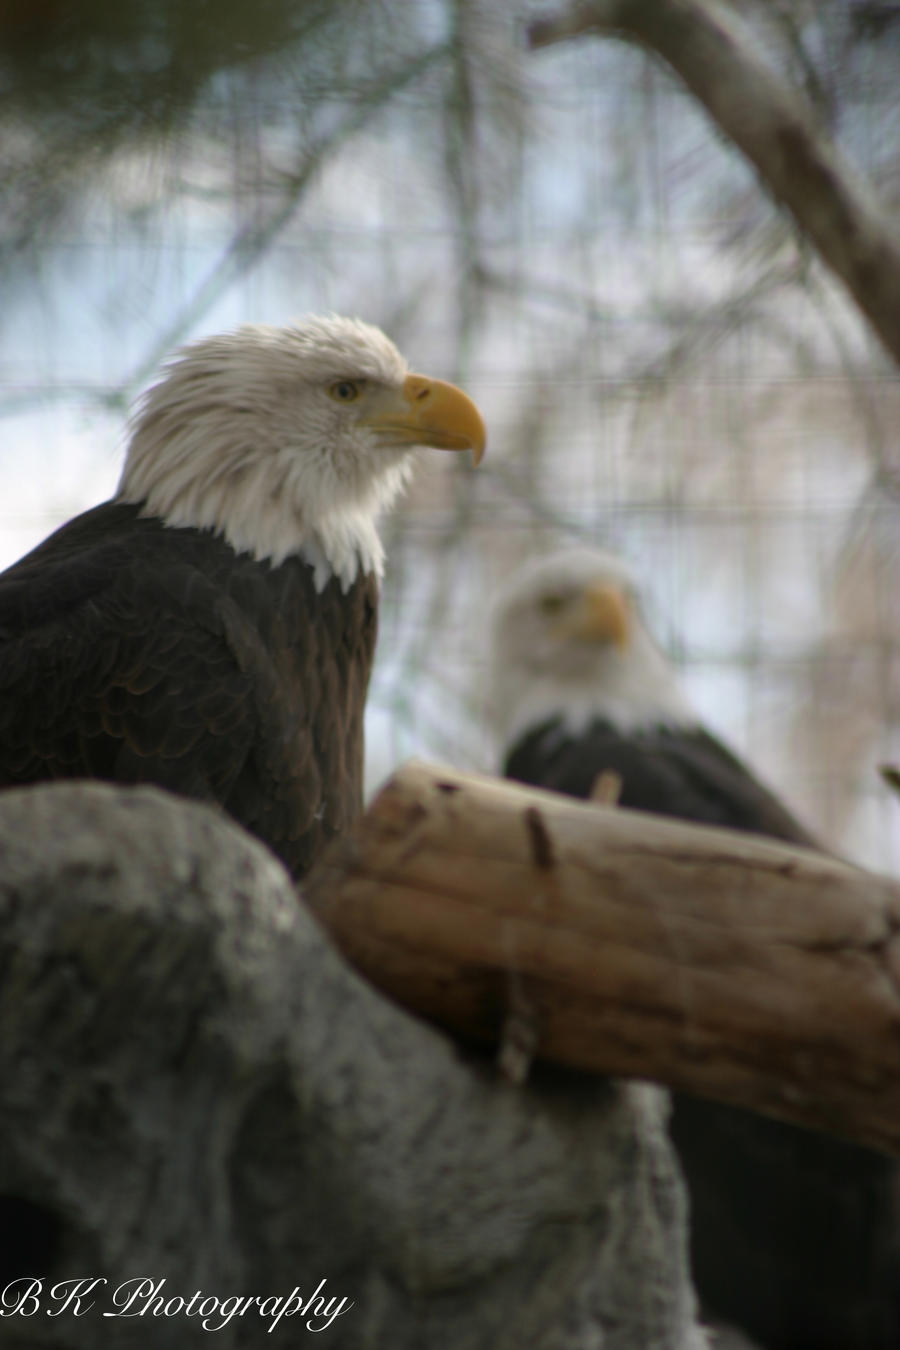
column 197, row 1090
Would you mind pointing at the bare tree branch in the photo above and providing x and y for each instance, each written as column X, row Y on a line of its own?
column 715, row 56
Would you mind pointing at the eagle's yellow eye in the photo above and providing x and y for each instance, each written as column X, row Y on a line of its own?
column 344, row 391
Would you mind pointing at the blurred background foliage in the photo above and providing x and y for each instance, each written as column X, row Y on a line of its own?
column 664, row 366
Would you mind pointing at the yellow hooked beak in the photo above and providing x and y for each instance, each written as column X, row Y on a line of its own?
column 429, row 412
column 599, row 615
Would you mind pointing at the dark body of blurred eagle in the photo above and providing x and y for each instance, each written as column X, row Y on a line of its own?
column 211, row 628
column 794, row 1235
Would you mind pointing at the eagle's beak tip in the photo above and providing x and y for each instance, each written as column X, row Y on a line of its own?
column 446, row 417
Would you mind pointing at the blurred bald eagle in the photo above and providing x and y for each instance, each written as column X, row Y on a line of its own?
column 581, row 688
column 794, row 1235
column 211, row 629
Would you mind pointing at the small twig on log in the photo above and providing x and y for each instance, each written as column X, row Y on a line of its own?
column 724, row 965
column 607, row 788
column 520, row 1032
column 717, row 58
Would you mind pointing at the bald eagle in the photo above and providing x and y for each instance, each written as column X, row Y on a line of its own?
column 581, row 688
column 211, row 628
column 794, row 1235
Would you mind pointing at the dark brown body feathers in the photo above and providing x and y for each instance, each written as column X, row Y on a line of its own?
column 135, row 652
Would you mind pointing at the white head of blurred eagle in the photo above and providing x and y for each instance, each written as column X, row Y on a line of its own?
column 580, row 688
column 211, row 629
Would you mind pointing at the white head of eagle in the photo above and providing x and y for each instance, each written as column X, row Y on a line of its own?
column 291, row 440
column 568, row 640
column 580, row 689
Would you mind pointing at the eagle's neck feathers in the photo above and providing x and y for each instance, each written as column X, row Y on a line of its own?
column 633, row 692
column 272, row 506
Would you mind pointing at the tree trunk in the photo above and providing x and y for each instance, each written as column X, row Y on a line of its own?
column 217, row 1128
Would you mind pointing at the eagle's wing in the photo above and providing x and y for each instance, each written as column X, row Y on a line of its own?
column 718, row 781
column 107, row 671
column 124, row 662
column 681, row 772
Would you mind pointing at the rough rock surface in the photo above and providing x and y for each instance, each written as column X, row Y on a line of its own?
column 196, row 1089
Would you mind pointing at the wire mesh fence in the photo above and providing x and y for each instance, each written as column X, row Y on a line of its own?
column 663, row 365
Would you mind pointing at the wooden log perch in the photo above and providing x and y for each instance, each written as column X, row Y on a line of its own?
column 727, row 966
